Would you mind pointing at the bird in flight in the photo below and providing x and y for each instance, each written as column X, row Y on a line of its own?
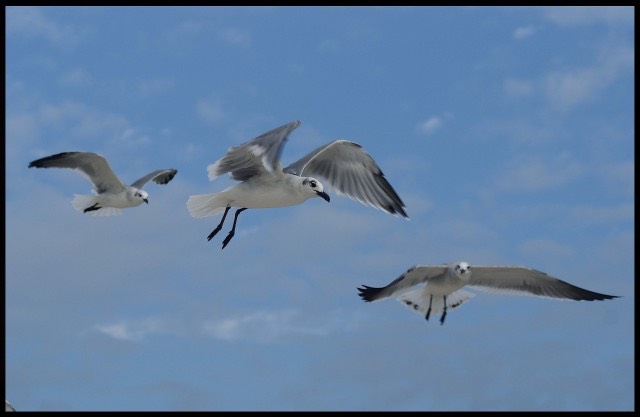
column 263, row 182
column 443, row 286
column 111, row 194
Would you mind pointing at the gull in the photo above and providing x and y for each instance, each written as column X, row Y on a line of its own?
column 111, row 194
column 443, row 291
column 264, row 183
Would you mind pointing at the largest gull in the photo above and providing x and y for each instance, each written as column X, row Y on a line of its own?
column 264, row 183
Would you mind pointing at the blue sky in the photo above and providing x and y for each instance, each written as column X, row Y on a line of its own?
column 507, row 131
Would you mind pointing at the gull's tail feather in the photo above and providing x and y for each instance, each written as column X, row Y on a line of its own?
column 202, row 205
column 418, row 301
column 89, row 204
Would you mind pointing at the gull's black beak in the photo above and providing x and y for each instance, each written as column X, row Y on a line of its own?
column 323, row 195
column 145, row 200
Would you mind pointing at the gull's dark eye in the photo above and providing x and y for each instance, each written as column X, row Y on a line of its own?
column 313, row 184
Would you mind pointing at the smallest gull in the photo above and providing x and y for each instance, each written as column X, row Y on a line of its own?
column 443, row 292
column 111, row 194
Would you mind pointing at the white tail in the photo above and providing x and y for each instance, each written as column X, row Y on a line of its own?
column 82, row 202
column 418, row 301
column 202, row 205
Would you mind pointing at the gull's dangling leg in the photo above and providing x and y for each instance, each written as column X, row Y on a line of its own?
column 429, row 309
column 233, row 229
column 219, row 226
column 92, row 208
column 444, row 311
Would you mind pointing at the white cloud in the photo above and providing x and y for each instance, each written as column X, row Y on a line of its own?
column 565, row 89
column 267, row 326
column 587, row 15
column 78, row 118
column 236, row 37
column 31, row 22
column 524, row 32
column 210, row 110
column 132, row 330
column 131, row 137
column 433, row 123
column 430, row 125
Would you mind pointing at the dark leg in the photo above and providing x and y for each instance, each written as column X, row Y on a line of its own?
column 92, row 208
column 444, row 311
column 429, row 309
column 233, row 229
column 219, row 226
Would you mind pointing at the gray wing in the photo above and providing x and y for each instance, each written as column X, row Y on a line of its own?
column 258, row 156
column 526, row 281
column 93, row 166
column 161, row 176
column 413, row 276
column 348, row 168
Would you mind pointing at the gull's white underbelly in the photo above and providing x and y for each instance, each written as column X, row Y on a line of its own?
column 269, row 194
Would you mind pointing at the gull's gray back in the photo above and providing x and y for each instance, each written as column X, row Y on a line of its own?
column 258, row 156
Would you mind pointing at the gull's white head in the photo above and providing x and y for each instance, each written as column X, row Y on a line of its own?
column 137, row 196
column 314, row 188
column 462, row 269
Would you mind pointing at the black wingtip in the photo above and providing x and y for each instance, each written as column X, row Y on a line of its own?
column 41, row 163
column 168, row 177
column 606, row 297
column 367, row 293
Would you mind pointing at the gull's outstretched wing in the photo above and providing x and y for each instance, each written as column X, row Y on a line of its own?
column 258, row 156
column 413, row 276
column 348, row 168
column 526, row 281
column 161, row 176
column 93, row 166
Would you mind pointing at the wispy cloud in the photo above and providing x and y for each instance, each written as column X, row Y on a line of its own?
column 267, row 326
column 564, row 89
column 524, row 32
column 31, row 23
column 587, row 15
column 236, row 37
column 433, row 123
column 210, row 110
column 257, row 326
column 133, row 330
column 78, row 118
column 569, row 87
